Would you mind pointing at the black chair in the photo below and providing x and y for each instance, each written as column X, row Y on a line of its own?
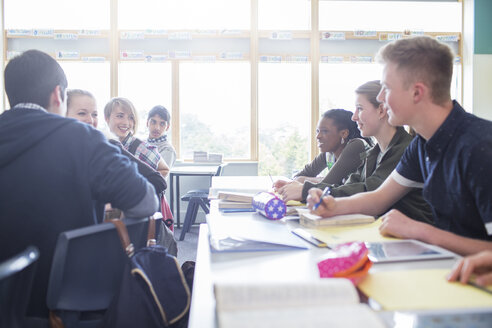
column 196, row 199
column 16, row 276
column 87, row 269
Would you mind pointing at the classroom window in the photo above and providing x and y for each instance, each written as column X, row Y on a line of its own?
column 215, row 108
column 337, row 83
column 284, row 93
column 284, row 15
column 56, row 14
column 146, row 85
column 184, row 14
column 201, row 56
column 425, row 16
column 93, row 77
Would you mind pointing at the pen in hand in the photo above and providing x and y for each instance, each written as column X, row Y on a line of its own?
column 326, row 192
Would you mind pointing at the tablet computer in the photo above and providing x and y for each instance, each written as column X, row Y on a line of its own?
column 405, row 250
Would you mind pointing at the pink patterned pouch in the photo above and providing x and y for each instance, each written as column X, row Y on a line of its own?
column 349, row 261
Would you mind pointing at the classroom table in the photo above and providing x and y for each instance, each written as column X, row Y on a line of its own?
column 179, row 171
column 263, row 266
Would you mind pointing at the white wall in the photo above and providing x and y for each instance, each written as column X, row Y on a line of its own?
column 482, row 86
column 477, row 69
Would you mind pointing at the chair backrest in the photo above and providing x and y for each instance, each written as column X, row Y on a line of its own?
column 16, row 276
column 239, row 169
column 88, row 264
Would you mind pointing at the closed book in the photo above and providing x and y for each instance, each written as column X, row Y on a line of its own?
column 227, row 204
column 310, row 220
column 236, row 197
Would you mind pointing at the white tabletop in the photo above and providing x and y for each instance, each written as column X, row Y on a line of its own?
column 292, row 265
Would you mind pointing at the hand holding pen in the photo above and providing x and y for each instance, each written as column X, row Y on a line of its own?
column 325, row 193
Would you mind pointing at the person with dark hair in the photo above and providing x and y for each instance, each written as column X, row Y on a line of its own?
column 48, row 84
column 379, row 161
column 158, row 122
column 81, row 105
column 54, row 170
column 449, row 158
column 340, row 144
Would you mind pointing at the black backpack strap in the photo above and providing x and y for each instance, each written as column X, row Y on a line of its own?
column 134, row 145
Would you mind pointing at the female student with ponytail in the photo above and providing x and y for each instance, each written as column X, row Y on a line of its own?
column 372, row 119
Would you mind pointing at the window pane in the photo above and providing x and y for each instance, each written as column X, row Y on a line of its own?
column 284, row 15
column 146, row 85
column 93, row 77
column 184, row 14
column 215, row 110
column 284, row 105
column 57, row 14
column 337, row 83
column 427, row 16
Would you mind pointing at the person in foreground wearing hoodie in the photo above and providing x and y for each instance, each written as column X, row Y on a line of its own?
column 54, row 170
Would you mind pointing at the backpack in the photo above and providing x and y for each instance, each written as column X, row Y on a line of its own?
column 153, row 291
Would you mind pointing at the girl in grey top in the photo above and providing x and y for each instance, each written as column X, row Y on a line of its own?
column 340, row 144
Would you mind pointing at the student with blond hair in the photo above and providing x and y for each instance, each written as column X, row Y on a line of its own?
column 450, row 158
column 81, row 105
column 122, row 119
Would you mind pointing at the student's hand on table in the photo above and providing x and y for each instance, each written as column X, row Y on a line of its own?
column 300, row 179
column 279, row 184
column 291, row 191
column 327, row 206
column 396, row 224
column 479, row 264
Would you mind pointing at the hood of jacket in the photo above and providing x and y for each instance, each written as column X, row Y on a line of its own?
column 23, row 128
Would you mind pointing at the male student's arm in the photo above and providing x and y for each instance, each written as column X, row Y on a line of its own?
column 399, row 225
column 114, row 179
column 371, row 203
column 149, row 201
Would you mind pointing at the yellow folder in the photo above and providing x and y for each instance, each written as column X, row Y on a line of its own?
column 425, row 289
column 344, row 234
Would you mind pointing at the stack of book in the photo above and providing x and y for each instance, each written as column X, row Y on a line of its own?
column 228, row 200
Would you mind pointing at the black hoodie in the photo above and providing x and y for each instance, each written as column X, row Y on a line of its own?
column 53, row 170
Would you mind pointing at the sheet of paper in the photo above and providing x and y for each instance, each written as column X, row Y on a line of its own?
column 344, row 234
column 253, row 227
column 422, row 290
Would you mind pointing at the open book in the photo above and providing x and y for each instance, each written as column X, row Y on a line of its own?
column 310, row 220
column 319, row 303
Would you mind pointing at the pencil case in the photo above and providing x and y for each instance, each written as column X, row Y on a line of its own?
column 348, row 260
column 269, row 205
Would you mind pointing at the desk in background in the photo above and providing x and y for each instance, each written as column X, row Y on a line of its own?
column 179, row 171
